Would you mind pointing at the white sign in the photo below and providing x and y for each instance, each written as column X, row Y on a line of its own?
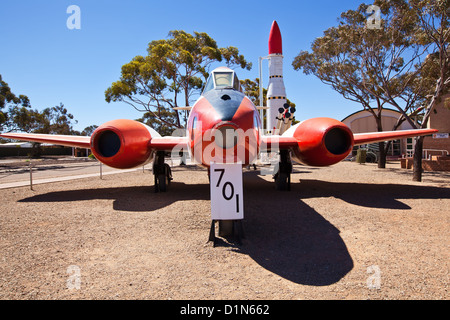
column 227, row 201
column 440, row 135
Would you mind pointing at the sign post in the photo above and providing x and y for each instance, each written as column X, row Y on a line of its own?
column 227, row 201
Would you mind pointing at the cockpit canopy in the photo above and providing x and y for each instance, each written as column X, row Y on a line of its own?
column 222, row 78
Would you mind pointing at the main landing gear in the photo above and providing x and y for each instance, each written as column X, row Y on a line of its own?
column 161, row 172
column 283, row 176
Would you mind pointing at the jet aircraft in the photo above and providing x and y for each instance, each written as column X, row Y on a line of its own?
column 223, row 126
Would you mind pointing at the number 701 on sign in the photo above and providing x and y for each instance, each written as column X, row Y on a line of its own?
column 226, row 191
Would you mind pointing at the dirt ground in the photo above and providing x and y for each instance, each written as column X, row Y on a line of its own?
column 348, row 231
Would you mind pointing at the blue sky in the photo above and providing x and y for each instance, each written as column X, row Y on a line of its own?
column 51, row 64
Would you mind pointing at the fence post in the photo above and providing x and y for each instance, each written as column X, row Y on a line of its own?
column 31, row 176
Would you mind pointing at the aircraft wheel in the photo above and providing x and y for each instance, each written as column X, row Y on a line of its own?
column 164, row 178
column 283, row 176
column 162, row 182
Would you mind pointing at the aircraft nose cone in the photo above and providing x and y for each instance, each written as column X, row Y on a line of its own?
column 225, row 102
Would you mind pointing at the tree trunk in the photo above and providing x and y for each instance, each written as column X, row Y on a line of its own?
column 417, row 160
column 418, row 149
column 382, row 157
column 36, row 150
column 382, row 153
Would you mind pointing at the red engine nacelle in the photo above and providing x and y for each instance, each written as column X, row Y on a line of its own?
column 122, row 143
column 322, row 141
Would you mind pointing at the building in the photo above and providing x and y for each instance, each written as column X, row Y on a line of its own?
column 436, row 148
column 439, row 143
column 363, row 121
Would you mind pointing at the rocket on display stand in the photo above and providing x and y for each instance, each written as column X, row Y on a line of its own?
column 279, row 116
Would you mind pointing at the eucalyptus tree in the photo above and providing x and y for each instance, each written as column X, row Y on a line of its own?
column 433, row 22
column 11, row 104
column 170, row 75
column 373, row 64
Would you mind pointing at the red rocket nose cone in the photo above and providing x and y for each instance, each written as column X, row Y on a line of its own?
column 275, row 45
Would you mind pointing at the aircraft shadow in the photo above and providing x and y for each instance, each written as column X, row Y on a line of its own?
column 289, row 238
column 283, row 234
column 133, row 199
column 383, row 196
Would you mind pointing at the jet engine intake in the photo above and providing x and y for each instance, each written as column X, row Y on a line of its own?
column 322, row 142
column 122, row 143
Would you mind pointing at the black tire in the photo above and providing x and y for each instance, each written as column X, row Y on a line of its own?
column 162, row 182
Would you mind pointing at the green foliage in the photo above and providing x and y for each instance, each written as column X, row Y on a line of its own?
column 88, row 130
column 251, row 90
column 9, row 101
column 374, row 66
column 173, row 71
column 55, row 120
column 403, row 61
column 161, row 127
column 233, row 58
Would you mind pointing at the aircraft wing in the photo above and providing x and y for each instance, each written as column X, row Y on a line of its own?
column 63, row 140
column 156, row 143
column 372, row 137
column 289, row 142
column 278, row 142
column 168, row 143
column 120, row 143
column 325, row 141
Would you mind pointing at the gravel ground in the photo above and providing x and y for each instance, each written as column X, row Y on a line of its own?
column 343, row 232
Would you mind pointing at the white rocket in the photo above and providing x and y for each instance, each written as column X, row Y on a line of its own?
column 276, row 92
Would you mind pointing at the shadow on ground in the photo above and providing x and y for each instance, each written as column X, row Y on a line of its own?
column 283, row 234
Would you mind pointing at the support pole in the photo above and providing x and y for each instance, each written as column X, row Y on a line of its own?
column 238, row 231
column 212, row 233
column 261, row 97
column 261, row 102
column 31, row 176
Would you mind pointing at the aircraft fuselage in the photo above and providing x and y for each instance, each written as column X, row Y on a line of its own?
column 224, row 126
